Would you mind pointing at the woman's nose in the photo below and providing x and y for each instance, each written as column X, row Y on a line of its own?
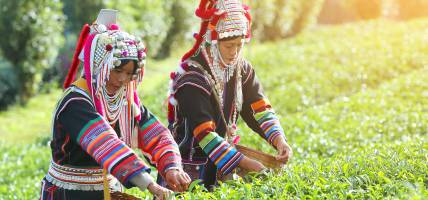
column 122, row 77
column 235, row 51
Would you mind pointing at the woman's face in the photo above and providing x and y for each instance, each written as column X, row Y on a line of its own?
column 120, row 76
column 229, row 49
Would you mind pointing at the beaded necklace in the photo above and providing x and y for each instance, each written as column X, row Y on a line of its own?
column 113, row 103
column 219, row 84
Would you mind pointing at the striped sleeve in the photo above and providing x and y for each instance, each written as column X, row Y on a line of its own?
column 224, row 156
column 256, row 111
column 267, row 120
column 97, row 138
column 157, row 143
column 196, row 106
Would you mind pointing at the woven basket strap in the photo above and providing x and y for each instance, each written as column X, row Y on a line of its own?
column 106, row 185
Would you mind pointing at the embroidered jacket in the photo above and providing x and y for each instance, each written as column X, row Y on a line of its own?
column 199, row 128
column 83, row 138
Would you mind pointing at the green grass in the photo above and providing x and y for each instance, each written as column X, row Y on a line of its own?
column 24, row 124
column 22, row 169
column 338, row 61
column 352, row 100
column 384, row 172
column 372, row 145
column 395, row 110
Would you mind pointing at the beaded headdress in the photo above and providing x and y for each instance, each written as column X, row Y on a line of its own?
column 102, row 46
column 221, row 19
column 230, row 19
column 109, row 46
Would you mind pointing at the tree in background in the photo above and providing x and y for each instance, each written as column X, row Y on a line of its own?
column 336, row 12
column 366, row 9
column 276, row 19
column 308, row 13
column 339, row 11
column 76, row 16
column 412, row 8
column 30, row 37
column 80, row 12
column 145, row 18
column 181, row 13
column 8, row 87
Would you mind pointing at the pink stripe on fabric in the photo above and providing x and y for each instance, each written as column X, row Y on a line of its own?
column 42, row 190
column 137, row 102
column 87, row 68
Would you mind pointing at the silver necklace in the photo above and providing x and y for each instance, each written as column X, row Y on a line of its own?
column 113, row 104
column 219, row 78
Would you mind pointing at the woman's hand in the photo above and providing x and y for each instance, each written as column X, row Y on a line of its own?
column 178, row 180
column 160, row 192
column 251, row 165
column 284, row 150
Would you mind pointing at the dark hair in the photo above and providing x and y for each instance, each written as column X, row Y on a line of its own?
column 126, row 61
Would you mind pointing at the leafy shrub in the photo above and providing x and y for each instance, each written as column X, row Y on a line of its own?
column 54, row 76
column 332, row 62
column 8, row 85
column 359, row 133
column 276, row 19
column 22, row 170
column 31, row 34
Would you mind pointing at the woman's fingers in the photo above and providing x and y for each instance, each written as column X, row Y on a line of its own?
column 178, row 180
column 184, row 181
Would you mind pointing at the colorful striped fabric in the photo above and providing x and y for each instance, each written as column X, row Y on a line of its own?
column 224, row 156
column 100, row 141
column 267, row 120
column 158, row 145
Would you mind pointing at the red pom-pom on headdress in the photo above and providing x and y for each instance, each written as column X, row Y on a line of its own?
column 205, row 11
column 248, row 16
column 114, row 27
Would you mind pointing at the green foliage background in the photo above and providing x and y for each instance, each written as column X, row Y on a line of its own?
column 352, row 100
column 24, row 27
